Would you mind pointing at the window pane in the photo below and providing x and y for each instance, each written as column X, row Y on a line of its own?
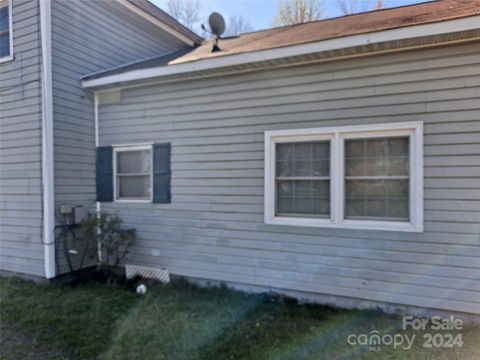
column 355, row 167
column 377, row 157
column 4, row 30
column 285, row 205
column 379, row 199
column 309, row 197
column 133, row 162
column 321, row 189
column 321, row 207
column 303, row 197
column 302, row 168
column 398, row 146
column 4, row 18
column 303, row 205
column 285, row 188
column 4, row 45
column 133, row 187
column 376, row 147
column 321, row 167
column 303, row 188
column 397, row 166
column 285, row 151
column 321, row 150
column 302, row 151
column 284, row 168
column 398, row 208
column 303, row 159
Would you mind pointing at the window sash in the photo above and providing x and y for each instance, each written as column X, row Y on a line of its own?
column 337, row 137
column 118, row 176
column 309, row 201
column 377, row 188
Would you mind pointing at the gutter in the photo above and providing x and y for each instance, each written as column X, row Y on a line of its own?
column 47, row 140
column 225, row 61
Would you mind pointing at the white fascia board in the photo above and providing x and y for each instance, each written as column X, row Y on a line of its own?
column 47, row 140
column 443, row 27
column 157, row 22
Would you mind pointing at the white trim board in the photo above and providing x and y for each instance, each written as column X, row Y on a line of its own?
column 336, row 136
column 156, row 22
column 10, row 33
column 47, row 140
column 408, row 32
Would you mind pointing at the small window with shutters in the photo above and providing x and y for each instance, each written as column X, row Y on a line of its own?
column 133, row 173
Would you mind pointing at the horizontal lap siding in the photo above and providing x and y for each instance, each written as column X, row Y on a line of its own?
column 21, row 248
column 214, row 226
column 90, row 36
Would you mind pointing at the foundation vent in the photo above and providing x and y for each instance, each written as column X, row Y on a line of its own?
column 159, row 274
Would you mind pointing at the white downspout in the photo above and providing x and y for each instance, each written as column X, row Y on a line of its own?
column 47, row 140
column 97, row 142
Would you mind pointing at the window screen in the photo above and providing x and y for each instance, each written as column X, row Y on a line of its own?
column 4, row 29
column 303, row 179
column 133, row 174
column 377, row 179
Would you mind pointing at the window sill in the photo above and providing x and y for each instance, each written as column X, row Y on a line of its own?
column 347, row 224
column 132, row 201
column 6, row 59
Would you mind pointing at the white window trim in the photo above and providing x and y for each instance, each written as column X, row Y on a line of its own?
column 337, row 136
column 10, row 33
column 125, row 148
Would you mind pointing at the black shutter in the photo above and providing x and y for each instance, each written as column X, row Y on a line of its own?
column 105, row 173
column 161, row 173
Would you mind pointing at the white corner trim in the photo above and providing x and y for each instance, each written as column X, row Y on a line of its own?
column 336, row 136
column 443, row 27
column 10, row 33
column 156, row 22
column 95, row 107
column 47, row 140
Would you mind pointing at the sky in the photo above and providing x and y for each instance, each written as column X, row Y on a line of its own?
column 260, row 13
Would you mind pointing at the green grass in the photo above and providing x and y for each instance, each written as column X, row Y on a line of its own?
column 180, row 321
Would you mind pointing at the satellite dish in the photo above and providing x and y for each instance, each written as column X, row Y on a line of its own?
column 217, row 24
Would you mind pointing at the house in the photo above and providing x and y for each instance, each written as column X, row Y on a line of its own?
column 335, row 161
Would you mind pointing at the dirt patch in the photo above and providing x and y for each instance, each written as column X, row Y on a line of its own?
column 15, row 346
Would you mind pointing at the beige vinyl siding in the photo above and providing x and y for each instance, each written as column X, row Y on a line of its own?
column 89, row 36
column 214, row 228
column 21, row 248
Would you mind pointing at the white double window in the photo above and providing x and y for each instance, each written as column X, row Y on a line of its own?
column 360, row 177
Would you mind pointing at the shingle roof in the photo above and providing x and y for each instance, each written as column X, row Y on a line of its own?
column 423, row 13
column 379, row 20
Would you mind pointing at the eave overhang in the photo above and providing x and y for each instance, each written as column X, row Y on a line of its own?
column 399, row 39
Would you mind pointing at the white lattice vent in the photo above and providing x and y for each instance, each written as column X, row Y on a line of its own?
column 147, row 272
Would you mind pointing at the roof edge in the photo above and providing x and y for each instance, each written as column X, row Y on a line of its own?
column 162, row 20
column 365, row 39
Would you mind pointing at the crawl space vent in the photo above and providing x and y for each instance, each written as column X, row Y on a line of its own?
column 147, row 272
